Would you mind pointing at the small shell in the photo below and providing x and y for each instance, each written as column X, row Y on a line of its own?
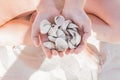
column 61, row 34
column 51, row 38
column 65, row 25
column 70, row 45
column 68, row 37
column 71, row 25
column 73, row 40
column 59, row 20
column 49, row 45
column 75, row 29
column 52, row 31
column 45, row 25
column 61, row 44
column 78, row 38
column 72, row 32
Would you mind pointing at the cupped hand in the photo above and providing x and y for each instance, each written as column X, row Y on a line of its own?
column 44, row 13
column 80, row 18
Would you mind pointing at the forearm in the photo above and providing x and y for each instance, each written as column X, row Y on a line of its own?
column 76, row 3
column 45, row 4
column 9, row 9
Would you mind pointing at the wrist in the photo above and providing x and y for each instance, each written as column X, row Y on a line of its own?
column 75, row 3
column 46, row 4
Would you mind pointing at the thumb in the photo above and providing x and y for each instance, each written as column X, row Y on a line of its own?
column 35, row 36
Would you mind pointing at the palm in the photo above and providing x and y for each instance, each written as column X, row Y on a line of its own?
column 40, row 38
column 80, row 18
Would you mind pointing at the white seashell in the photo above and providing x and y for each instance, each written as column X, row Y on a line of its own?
column 61, row 34
column 78, row 38
column 75, row 29
column 65, row 25
column 52, row 31
column 70, row 45
column 49, row 45
column 71, row 25
column 51, row 38
column 59, row 20
column 72, row 32
column 61, row 44
column 45, row 25
column 73, row 40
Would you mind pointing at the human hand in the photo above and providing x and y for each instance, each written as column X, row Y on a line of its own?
column 47, row 10
column 79, row 17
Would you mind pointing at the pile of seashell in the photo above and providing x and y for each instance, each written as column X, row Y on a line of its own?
column 62, row 35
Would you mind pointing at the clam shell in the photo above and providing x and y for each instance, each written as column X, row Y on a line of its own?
column 71, row 32
column 78, row 38
column 73, row 40
column 52, row 31
column 45, row 25
column 51, row 38
column 61, row 44
column 49, row 45
column 65, row 25
column 61, row 34
column 59, row 20
column 75, row 29
column 71, row 25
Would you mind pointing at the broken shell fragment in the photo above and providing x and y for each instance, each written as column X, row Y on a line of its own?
column 59, row 20
column 72, row 33
column 45, row 25
column 61, row 44
column 49, row 45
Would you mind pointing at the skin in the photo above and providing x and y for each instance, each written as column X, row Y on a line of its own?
column 8, row 10
column 67, row 12
column 104, row 15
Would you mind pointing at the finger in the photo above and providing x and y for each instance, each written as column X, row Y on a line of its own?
column 47, row 52
column 54, row 52
column 61, row 54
